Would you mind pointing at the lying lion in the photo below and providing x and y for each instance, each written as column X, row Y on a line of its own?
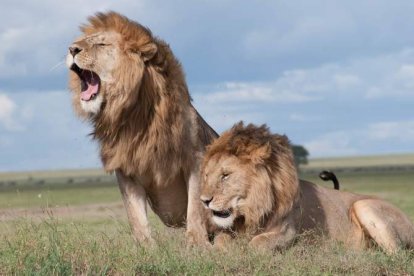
column 250, row 185
column 132, row 89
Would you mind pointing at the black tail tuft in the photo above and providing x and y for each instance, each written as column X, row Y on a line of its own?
column 328, row 175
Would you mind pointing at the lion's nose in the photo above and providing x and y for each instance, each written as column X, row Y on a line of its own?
column 206, row 200
column 74, row 50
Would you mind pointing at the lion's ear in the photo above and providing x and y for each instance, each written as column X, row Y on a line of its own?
column 148, row 51
column 262, row 153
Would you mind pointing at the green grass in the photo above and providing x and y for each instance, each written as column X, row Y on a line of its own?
column 103, row 245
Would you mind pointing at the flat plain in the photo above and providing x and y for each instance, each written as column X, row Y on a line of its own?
column 73, row 222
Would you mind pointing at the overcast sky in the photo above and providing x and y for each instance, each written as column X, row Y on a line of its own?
column 335, row 76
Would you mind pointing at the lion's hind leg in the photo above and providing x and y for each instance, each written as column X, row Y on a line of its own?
column 382, row 222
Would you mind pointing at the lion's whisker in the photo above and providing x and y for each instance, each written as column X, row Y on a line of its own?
column 57, row 65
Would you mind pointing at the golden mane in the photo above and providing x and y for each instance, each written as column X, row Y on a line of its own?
column 258, row 146
column 142, row 126
column 130, row 30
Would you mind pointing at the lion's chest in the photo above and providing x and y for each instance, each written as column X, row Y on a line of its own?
column 168, row 200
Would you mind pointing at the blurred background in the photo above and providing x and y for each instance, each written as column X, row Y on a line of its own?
column 336, row 76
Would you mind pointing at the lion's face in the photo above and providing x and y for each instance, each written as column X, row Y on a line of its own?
column 229, row 188
column 93, row 59
column 248, row 173
column 107, row 63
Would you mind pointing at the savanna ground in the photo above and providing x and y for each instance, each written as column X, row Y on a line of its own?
column 66, row 223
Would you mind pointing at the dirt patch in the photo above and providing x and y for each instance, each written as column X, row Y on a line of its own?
column 108, row 210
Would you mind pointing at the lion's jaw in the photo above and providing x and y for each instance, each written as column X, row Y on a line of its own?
column 223, row 212
column 92, row 60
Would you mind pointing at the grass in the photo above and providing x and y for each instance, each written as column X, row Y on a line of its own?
column 57, row 245
column 56, row 174
column 54, row 197
column 57, row 188
column 66, row 248
column 362, row 161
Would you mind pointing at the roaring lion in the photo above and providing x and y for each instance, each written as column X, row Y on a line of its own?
column 250, row 185
column 132, row 89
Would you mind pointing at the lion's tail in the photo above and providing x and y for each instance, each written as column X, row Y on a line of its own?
column 328, row 175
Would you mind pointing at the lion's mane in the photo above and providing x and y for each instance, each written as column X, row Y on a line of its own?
column 145, row 121
column 274, row 196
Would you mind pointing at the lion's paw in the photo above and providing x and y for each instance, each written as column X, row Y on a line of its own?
column 260, row 243
column 197, row 240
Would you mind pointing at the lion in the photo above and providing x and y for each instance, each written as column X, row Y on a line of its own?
column 250, row 185
column 130, row 87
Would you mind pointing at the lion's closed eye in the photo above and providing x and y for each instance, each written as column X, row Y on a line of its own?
column 224, row 176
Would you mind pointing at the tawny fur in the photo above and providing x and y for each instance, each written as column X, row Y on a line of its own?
column 276, row 186
column 251, row 172
column 147, row 128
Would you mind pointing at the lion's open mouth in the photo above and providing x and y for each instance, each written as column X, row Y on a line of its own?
column 90, row 82
column 222, row 214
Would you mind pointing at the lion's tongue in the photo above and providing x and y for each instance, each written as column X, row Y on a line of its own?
column 91, row 90
column 90, row 87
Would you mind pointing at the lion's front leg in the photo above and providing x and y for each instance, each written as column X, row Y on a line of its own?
column 278, row 237
column 196, row 219
column 135, row 201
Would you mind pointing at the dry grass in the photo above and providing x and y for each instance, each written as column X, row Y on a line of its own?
column 362, row 161
column 106, row 248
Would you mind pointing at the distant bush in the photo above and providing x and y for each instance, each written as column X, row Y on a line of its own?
column 301, row 155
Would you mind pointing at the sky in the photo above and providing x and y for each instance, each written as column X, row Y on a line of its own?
column 335, row 76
